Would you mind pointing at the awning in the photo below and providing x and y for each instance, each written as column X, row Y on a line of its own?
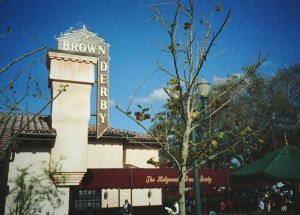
column 279, row 165
column 106, row 178
column 150, row 178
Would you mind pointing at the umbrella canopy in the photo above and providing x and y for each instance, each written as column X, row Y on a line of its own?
column 281, row 164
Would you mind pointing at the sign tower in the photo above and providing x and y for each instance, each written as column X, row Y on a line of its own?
column 85, row 42
column 80, row 53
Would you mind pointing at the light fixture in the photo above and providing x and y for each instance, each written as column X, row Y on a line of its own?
column 105, row 195
column 203, row 87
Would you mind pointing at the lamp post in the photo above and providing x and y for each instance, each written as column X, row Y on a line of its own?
column 203, row 88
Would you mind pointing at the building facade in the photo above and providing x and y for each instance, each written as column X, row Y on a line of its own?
column 66, row 136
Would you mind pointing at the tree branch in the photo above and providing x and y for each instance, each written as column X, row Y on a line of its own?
column 20, row 58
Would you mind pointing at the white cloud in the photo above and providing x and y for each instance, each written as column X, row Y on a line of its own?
column 220, row 80
column 112, row 103
column 157, row 95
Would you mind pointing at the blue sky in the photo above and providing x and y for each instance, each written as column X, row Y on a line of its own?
column 272, row 26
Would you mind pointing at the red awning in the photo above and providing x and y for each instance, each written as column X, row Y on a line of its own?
column 106, row 178
column 150, row 178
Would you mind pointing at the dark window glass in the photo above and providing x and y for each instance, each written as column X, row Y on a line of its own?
column 86, row 199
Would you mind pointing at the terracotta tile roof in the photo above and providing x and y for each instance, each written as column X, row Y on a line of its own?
column 11, row 123
column 121, row 133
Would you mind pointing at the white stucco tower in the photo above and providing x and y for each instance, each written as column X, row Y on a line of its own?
column 74, row 65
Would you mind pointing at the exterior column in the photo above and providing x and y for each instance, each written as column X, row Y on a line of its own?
column 71, row 110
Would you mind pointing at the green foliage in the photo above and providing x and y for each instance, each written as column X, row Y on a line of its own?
column 142, row 115
column 174, row 104
column 219, row 135
column 246, row 131
column 250, row 69
column 214, row 143
column 260, row 112
column 31, row 190
column 153, row 162
column 63, row 88
column 259, row 115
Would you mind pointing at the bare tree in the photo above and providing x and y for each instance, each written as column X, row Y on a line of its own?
column 188, row 49
column 17, row 87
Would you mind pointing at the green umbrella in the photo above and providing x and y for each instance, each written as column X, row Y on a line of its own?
column 282, row 164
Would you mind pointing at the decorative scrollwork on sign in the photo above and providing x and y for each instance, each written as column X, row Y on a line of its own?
column 80, row 34
column 81, row 40
column 79, row 26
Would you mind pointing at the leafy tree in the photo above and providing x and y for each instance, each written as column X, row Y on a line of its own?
column 285, row 104
column 268, row 110
column 188, row 48
column 31, row 190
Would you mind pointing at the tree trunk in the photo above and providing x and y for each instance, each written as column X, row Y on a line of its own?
column 182, row 191
column 183, row 168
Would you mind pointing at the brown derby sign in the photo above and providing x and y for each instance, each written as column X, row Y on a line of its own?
column 86, row 42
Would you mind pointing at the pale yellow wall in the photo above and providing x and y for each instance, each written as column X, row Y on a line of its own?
column 108, row 155
column 70, row 117
column 28, row 156
column 140, row 197
column 138, row 156
column 112, row 200
column 68, row 67
column 71, row 110
column 136, row 197
column 34, row 155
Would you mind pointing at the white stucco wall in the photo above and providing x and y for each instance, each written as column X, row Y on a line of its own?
column 35, row 155
column 71, row 110
column 138, row 155
column 70, row 117
column 105, row 154
column 113, row 154
column 101, row 154
column 137, row 197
